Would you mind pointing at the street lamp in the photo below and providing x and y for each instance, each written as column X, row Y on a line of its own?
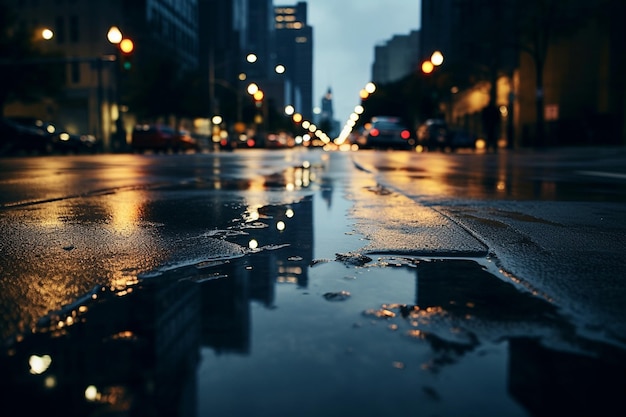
column 47, row 34
column 114, row 35
column 122, row 46
column 427, row 67
column 436, row 58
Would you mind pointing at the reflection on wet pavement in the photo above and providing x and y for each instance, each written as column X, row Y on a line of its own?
column 280, row 326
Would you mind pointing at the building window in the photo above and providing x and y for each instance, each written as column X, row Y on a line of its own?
column 60, row 30
column 74, row 32
column 75, row 72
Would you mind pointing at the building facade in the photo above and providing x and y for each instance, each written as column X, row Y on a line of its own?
column 294, row 49
column 92, row 100
column 397, row 58
column 555, row 75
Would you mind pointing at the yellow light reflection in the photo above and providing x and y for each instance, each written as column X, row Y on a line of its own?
column 50, row 382
column 39, row 364
column 91, row 393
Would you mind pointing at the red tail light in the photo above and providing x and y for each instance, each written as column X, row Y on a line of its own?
column 374, row 132
column 405, row 134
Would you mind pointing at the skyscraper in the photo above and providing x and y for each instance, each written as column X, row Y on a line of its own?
column 294, row 49
column 397, row 58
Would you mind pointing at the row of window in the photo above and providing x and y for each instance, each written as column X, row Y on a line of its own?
column 69, row 33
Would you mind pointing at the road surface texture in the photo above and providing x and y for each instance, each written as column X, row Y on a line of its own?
column 308, row 283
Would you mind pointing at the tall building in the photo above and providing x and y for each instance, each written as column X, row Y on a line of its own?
column 294, row 49
column 397, row 58
column 556, row 74
column 260, row 38
column 222, row 37
column 92, row 100
column 326, row 117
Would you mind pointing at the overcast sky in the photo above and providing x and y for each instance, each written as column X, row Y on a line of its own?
column 345, row 33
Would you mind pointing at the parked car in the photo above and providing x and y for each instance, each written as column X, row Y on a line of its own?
column 461, row 139
column 161, row 138
column 389, row 133
column 433, row 134
column 16, row 138
column 60, row 140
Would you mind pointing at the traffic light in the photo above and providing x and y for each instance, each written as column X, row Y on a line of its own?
column 258, row 98
column 126, row 48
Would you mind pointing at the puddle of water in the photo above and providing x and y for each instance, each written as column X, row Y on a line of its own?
column 297, row 324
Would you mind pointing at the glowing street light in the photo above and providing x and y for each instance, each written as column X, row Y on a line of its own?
column 370, row 87
column 280, row 69
column 427, row 67
column 114, row 35
column 47, row 34
column 252, row 88
column 127, row 46
column 251, row 58
column 436, row 58
column 258, row 95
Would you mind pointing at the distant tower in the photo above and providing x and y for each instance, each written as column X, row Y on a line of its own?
column 326, row 117
column 327, row 106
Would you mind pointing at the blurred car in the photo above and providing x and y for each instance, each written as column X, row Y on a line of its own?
column 161, row 138
column 16, row 138
column 388, row 133
column 279, row 140
column 461, row 139
column 433, row 134
column 59, row 139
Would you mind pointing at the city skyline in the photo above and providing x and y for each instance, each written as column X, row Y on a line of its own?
column 345, row 36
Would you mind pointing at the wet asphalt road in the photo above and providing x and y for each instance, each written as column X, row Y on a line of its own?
column 309, row 283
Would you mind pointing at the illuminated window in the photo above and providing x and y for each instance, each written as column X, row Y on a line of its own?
column 301, row 39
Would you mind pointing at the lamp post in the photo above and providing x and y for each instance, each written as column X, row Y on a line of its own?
column 122, row 45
